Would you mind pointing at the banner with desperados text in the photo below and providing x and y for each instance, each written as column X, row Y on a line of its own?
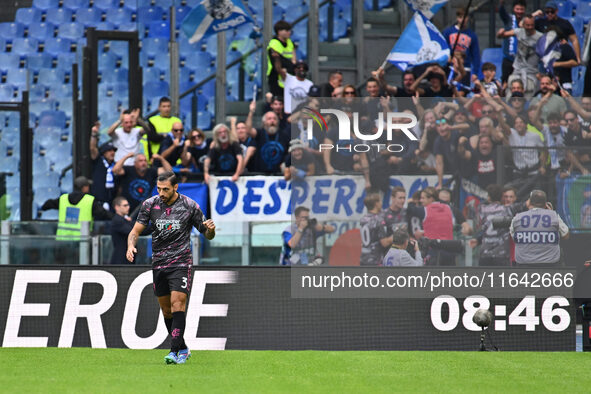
column 272, row 199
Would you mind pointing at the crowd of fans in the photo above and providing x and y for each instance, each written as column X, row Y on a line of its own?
column 465, row 113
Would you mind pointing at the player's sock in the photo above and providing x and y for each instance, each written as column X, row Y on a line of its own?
column 168, row 323
column 178, row 330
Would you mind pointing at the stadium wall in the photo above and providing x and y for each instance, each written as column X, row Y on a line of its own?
column 243, row 308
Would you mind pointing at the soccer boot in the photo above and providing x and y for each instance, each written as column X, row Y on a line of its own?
column 171, row 358
column 183, row 356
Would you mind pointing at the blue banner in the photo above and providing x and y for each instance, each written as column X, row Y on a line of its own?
column 419, row 43
column 213, row 16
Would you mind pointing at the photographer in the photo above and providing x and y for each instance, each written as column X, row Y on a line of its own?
column 299, row 239
column 399, row 255
column 537, row 232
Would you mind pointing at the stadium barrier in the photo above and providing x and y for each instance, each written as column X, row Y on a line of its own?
column 252, row 308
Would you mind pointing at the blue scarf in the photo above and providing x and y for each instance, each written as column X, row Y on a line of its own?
column 109, row 179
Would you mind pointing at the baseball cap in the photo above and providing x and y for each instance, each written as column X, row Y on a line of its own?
column 107, row 146
column 296, row 144
column 314, row 91
column 551, row 4
column 81, row 181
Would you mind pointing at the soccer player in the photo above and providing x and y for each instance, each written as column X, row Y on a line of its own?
column 173, row 217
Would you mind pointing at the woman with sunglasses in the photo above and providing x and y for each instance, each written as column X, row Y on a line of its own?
column 195, row 150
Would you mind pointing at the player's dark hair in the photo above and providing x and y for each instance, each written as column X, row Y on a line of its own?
column 164, row 100
column 397, row 189
column 372, row 79
column 118, row 201
column 554, row 116
column 488, row 66
column 371, row 200
column 495, row 192
column 299, row 210
column 168, row 176
column 281, row 25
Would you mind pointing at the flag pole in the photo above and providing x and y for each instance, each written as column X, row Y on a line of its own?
column 466, row 11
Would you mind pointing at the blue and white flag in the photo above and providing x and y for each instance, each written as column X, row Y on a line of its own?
column 213, row 16
column 426, row 7
column 419, row 43
column 548, row 49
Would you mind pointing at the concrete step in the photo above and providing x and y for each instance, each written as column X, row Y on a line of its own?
column 332, row 49
column 387, row 16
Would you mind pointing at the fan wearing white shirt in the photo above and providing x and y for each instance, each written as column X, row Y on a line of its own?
column 126, row 136
column 295, row 90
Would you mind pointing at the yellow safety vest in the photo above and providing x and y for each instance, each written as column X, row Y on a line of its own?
column 163, row 126
column 71, row 216
column 285, row 51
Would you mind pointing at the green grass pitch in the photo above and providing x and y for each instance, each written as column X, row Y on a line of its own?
column 82, row 370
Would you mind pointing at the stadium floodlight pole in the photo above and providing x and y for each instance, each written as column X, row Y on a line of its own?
column 173, row 47
column 466, row 11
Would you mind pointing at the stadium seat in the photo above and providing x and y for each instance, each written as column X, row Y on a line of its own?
column 105, row 5
column 66, row 183
column 132, row 26
column 45, row 4
column 256, row 7
column 40, row 166
column 114, row 75
column 300, row 31
column 64, row 104
column 59, row 16
column 381, row 4
column 37, row 92
column 278, row 13
column 159, row 29
column 208, row 89
column 75, row 4
column 11, row 30
column 156, row 88
column 28, row 16
column 119, row 48
column 578, row 24
column 118, row 16
column 41, row 31
column 37, row 106
column 565, row 8
column 151, row 74
column 52, row 119
column 18, row 77
column 105, row 26
column 146, row 15
column 8, row 61
column 38, row 61
column 6, row 92
column 13, row 120
column 211, row 45
column 89, row 17
column 65, row 61
column 57, row 45
column 52, row 76
column 204, row 120
column 72, row 30
column 181, row 14
column 162, row 62
column 60, row 155
column 107, row 61
column 155, row 46
column 584, row 10
column 164, row 4
column 2, row 45
column 494, row 56
column 48, row 178
column 198, row 61
column 25, row 46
